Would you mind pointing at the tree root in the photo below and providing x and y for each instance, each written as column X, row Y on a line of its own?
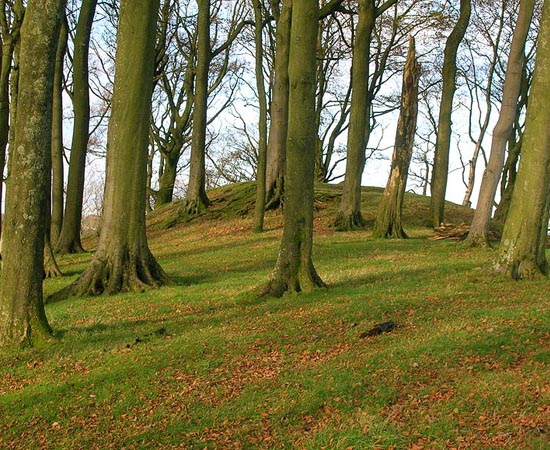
column 128, row 273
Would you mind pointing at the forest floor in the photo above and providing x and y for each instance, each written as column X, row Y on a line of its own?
column 205, row 364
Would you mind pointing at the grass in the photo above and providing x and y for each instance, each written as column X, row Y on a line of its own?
column 203, row 364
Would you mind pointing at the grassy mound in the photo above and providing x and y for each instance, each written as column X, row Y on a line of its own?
column 237, row 200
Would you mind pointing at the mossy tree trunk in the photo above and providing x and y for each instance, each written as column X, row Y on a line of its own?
column 348, row 216
column 262, row 119
column 22, row 316
column 388, row 222
column 278, row 125
column 10, row 24
column 294, row 270
column 196, row 197
column 123, row 261
column 69, row 238
column 479, row 230
column 522, row 251
column 57, row 138
column 444, row 125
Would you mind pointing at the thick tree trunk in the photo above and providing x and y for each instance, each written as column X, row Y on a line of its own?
column 123, row 261
column 196, row 190
column 278, row 127
column 57, row 138
column 349, row 216
column 69, row 239
column 294, row 270
column 388, row 222
column 444, row 127
column 522, row 251
column 479, row 229
column 22, row 316
column 262, row 120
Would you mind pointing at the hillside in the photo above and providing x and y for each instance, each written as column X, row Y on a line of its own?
column 205, row 364
column 238, row 201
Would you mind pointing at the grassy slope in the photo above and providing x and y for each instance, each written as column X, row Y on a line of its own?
column 203, row 364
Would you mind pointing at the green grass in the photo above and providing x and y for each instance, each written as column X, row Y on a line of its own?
column 203, row 364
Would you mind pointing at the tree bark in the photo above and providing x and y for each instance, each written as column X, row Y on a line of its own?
column 294, row 270
column 262, row 120
column 57, row 138
column 196, row 197
column 22, row 317
column 479, row 229
column 522, row 252
column 444, row 128
column 278, row 127
column 388, row 222
column 9, row 36
column 123, row 261
column 69, row 238
column 349, row 215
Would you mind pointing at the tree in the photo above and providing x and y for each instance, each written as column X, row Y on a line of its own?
column 443, row 140
column 11, row 17
column 57, row 138
column 262, row 119
column 278, row 125
column 294, row 270
column 349, row 216
column 69, row 238
column 388, row 222
column 522, row 252
column 479, row 229
column 123, row 261
column 22, row 317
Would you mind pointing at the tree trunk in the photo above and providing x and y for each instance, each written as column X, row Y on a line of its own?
column 278, row 128
column 522, row 251
column 262, row 120
column 69, row 239
column 388, row 222
column 349, row 216
column 294, row 271
column 196, row 190
column 57, row 138
column 443, row 140
column 167, row 179
column 22, row 316
column 479, row 229
column 9, row 39
column 123, row 261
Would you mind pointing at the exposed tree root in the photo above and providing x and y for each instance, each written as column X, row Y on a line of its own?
column 126, row 273
column 348, row 222
column 282, row 282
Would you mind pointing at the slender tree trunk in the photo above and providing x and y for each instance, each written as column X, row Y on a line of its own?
column 262, row 120
column 444, row 127
column 9, row 39
column 123, row 261
column 196, row 190
column 167, row 179
column 22, row 316
column 69, row 239
column 294, row 270
column 278, row 127
column 479, row 229
column 349, row 216
column 57, row 138
column 388, row 222
column 522, row 251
